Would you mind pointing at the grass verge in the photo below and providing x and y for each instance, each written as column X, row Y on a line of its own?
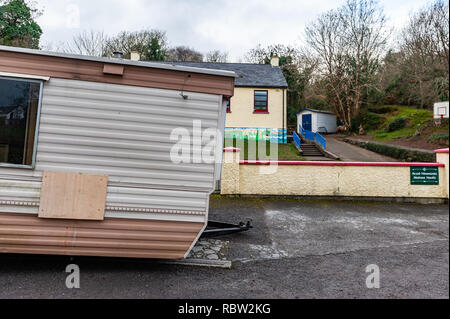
column 250, row 151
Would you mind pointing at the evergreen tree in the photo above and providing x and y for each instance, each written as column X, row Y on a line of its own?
column 17, row 24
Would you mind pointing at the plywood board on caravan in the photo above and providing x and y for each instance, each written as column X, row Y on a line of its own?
column 73, row 196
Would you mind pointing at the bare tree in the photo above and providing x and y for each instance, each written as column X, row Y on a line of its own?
column 184, row 54
column 297, row 66
column 425, row 44
column 151, row 44
column 349, row 43
column 217, row 56
column 324, row 37
column 91, row 43
column 262, row 55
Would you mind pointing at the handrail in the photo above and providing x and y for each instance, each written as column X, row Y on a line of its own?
column 321, row 140
column 297, row 140
column 307, row 134
column 313, row 137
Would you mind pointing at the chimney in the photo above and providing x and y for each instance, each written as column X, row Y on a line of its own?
column 275, row 61
column 135, row 56
column 118, row 55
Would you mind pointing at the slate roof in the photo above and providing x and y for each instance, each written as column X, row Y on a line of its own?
column 250, row 75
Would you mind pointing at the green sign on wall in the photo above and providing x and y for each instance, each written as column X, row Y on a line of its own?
column 422, row 175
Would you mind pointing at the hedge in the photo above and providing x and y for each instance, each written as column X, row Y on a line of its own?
column 404, row 154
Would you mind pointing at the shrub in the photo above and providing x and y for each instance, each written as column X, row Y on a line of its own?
column 369, row 121
column 438, row 138
column 383, row 109
column 381, row 135
column 397, row 124
column 373, row 121
column 397, row 152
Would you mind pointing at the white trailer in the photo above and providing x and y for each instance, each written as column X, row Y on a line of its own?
column 90, row 168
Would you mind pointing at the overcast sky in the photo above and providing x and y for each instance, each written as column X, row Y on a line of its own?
column 234, row 26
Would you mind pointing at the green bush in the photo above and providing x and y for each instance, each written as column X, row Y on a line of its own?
column 369, row 121
column 381, row 135
column 317, row 102
column 438, row 138
column 292, row 115
column 400, row 153
column 397, row 124
column 383, row 109
column 373, row 121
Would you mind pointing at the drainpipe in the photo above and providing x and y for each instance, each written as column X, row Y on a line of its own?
column 284, row 136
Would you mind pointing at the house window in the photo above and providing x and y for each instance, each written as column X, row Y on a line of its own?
column 261, row 101
column 19, row 105
column 228, row 104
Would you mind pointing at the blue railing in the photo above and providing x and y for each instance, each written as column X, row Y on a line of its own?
column 313, row 137
column 321, row 141
column 297, row 141
column 307, row 134
column 301, row 130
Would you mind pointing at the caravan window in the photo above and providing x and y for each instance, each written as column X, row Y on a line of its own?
column 19, row 108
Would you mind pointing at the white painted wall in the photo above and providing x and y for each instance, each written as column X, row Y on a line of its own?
column 327, row 121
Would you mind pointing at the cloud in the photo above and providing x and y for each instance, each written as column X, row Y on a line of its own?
column 234, row 26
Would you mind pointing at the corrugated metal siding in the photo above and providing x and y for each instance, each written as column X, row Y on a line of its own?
column 27, row 194
column 123, row 132
column 23, row 233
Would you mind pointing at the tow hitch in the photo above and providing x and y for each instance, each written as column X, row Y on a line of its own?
column 219, row 229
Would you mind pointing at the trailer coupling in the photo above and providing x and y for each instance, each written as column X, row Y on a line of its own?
column 219, row 229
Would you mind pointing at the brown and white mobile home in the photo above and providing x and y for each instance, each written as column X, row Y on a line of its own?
column 85, row 154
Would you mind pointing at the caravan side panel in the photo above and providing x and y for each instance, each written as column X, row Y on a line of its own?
column 127, row 133
column 123, row 132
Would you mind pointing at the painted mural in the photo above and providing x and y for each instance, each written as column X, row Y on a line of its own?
column 274, row 135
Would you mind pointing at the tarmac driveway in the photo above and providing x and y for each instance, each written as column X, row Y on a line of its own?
column 298, row 249
column 352, row 153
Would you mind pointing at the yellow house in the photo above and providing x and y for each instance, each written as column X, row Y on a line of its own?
column 258, row 109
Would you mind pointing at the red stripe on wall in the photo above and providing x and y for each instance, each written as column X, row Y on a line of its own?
column 341, row 163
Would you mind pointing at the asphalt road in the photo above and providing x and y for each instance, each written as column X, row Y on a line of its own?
column 352, row 153
column 298, row 249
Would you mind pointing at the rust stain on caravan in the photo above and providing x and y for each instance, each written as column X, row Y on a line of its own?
column 113, row 237
column 93, row 71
